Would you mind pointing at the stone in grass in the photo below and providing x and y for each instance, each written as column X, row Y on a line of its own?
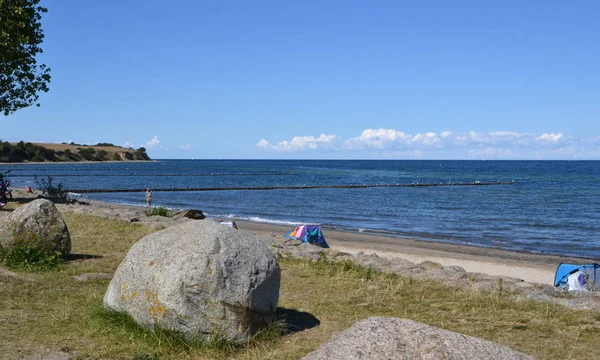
column 38, row 224
column 393, row 338
column 198, row 278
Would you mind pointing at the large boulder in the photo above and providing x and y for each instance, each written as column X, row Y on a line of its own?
column 37, row 223
column 198, row 278
column 393, row 338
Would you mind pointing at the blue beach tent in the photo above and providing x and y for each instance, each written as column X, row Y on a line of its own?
column 308, row 233
column 578, row 277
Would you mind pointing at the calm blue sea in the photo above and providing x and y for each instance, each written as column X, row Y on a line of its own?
column 552, row 207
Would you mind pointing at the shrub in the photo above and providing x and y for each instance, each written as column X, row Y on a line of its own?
column 158, row 211
column 56, row 193
column 29, row 253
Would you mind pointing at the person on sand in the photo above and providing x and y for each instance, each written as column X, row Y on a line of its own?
column 28, row 189
column 148, row 197
column 8, row 190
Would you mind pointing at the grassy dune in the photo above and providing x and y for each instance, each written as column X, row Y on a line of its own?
column 317, row 300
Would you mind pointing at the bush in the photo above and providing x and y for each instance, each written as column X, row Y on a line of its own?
column 158, row 211
column 58, row 193
column 29, row 253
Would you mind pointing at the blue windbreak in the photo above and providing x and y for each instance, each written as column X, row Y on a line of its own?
column 564, row 270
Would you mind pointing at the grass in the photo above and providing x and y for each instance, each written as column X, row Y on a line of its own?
column 58, row 312
column 29, row 258
column 29, row 252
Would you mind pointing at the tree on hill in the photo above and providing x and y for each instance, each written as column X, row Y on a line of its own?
column 21, row 78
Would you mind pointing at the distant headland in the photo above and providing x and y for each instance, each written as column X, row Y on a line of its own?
column 67, row 152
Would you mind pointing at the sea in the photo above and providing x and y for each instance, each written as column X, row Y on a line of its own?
column 552, row 206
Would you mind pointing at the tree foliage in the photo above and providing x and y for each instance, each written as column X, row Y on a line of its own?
column 21, row 78
column 23, row 151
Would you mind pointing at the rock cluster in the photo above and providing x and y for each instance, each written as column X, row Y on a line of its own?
column 449, row 275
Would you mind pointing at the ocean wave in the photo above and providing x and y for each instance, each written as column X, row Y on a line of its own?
column 258, row 219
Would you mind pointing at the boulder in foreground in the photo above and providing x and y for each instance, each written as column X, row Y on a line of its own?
column 38, row 224
column 198, row 278
column 393, row 338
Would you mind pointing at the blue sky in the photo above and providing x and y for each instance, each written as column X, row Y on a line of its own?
column 322, row 79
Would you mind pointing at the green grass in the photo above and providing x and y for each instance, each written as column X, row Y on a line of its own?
column 29, row 252
column 30, row 258
column 58, row 312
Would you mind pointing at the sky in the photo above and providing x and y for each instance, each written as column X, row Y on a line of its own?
column 321, row 79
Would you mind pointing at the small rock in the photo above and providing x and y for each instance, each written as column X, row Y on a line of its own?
column 93, row 276
column 430, row 265
column 11, row 275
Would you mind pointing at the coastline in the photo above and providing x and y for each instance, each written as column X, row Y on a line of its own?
column 529, row 267
column 525, row 275
column 74, row 162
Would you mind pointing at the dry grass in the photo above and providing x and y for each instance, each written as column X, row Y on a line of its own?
column 59, row 313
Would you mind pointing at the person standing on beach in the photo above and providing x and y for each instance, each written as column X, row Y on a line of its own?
column 148, row 197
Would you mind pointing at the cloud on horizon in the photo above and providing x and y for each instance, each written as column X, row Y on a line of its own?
column 299, row 143
column 391, row 143
column 153, row 142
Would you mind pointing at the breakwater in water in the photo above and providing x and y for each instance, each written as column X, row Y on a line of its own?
column 291, row 187
column 552, row 206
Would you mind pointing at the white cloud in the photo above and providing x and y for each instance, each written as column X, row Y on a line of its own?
column 392, row 143
column 152, row 142
column 263, row 144
column 555, row 138
column 128, row 144
column 394, row 139
column 299, row 143
column 185, row 147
